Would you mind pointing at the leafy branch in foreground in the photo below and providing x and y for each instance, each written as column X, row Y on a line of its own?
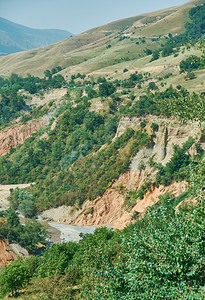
column 162, row 259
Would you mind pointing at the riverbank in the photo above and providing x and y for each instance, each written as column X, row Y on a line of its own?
column 59, row 233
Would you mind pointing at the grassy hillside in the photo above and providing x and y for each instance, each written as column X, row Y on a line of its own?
column 72, row 53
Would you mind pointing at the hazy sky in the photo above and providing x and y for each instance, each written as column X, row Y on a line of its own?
column 76, row 16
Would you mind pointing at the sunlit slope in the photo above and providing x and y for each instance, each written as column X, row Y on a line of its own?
column 101, row 47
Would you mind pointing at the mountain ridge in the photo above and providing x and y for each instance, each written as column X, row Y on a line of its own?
column 16, row 38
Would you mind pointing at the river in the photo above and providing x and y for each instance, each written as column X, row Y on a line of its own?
column 59, row 232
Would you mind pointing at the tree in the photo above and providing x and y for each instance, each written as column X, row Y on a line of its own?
column 33, row 233
column 167, row 50
column 92, row 93
column 148, row 51
column 155, row 55
column 162, row 259
column 14, row 277
column 27, row 207
column 48, row 74
column 190, row 76
column 191, row 63
column 152, row 86
column 106, row 89
column 24, row 201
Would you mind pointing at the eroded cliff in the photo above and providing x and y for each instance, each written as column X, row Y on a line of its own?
column 110, row 209
column 10, row 252
column 12, row 136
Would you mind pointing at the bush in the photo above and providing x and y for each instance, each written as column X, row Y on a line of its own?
column 14, row 277
column 191, row 63
column 162, row 259
column 190, row 76
column 106, row 89
column 155, row 55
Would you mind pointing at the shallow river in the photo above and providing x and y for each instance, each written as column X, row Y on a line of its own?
column 67, row 232
column 57, row 232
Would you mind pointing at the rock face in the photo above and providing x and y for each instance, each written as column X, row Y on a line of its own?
column 13, row 136
column 110, row 209
column 166, row 134
column 59, row 214
column 9, row 253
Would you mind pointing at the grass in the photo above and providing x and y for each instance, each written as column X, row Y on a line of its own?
column 91, row 46
column 173, row 23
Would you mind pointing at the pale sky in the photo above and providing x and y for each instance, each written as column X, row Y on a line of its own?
column 76, row 16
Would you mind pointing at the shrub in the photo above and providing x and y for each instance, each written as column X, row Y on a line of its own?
column 14, row 277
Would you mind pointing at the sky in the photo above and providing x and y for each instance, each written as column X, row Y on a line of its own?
column 76, row 16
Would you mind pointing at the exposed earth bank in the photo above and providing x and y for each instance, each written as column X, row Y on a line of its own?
column 111, row 209
column 10, row 252
column 12, row 136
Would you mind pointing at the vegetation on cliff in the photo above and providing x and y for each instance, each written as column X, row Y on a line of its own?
column 159, row 256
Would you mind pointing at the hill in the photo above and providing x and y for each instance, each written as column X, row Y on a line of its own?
column 111, row 133
column 91, row 52
column 17, row 38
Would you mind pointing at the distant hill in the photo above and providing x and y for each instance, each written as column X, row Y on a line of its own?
column 16, row 38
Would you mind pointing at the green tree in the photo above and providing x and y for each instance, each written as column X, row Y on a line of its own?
column 48, row 74
column 191, row 63
column 155, row 55
column 167, row 50
column 14, row 277
column 162, row 259
column 106, row 89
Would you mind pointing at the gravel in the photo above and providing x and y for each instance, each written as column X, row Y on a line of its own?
column 71, row 233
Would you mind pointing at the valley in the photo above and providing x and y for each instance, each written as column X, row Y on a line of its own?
column 105, row 137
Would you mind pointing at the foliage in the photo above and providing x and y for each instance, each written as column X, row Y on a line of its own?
column 14, row 277
column 10, row 105
column 89, row 176
column 194, row 30
column 22, row 200
column 188, row 107
column 27, row 235
column 163, row 258
column 77, row 132
column 190, row 76
column 191, row 63
column 160, row 256
column 176, row 168
column 146, row 105
column 106, row 89
column 152, row 86
column 167, row 50
column 155, row 55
